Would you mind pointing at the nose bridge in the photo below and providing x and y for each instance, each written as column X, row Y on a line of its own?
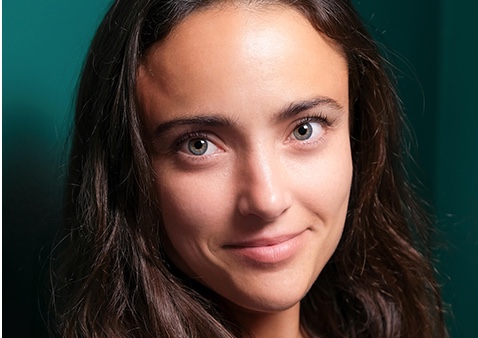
column 264, row 184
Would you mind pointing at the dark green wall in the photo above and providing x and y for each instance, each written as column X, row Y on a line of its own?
column 456, row 191
column 44, row 43
column 434, row 46
column 432, row 43
column 408, row 32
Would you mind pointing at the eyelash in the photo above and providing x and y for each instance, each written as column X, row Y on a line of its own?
column 179, row 142
column 190, row 135
column 318, row 118
column 322, row 119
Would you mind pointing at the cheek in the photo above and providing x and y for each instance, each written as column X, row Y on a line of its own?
column 193, row 208
column 183, row 239
column 324, row 183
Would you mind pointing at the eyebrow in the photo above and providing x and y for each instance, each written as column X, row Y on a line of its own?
column 216, row 120
column 298, row 107
column 207, row 120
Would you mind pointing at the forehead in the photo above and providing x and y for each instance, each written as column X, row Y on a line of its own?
column 245, row 30
column 234, row 54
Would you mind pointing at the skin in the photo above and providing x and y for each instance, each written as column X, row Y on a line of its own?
column 258, row 215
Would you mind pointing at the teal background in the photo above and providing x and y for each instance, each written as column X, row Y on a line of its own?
column 44, row 44
column 433, row 45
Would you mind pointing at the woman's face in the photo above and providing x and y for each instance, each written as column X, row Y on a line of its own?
column 246, row 111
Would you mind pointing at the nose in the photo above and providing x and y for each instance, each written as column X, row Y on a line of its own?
column 263, row 187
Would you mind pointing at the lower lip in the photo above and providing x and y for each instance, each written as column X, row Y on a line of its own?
column 271, row 254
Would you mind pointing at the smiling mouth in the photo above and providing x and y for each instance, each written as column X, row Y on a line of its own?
column 268, row 250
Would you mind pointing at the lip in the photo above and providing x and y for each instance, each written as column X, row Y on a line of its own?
column 267, row 250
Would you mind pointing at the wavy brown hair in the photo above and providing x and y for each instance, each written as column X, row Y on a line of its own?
column 114, row 279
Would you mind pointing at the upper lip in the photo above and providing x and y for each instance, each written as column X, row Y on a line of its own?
column 263, row 241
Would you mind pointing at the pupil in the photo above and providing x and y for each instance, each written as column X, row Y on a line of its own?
column 303, row 130
column 198, row 146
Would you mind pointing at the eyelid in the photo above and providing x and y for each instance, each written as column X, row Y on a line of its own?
column 191, row 133
column 186, row 137
column 321, row 118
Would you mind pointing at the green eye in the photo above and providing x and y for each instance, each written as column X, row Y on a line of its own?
column 303, row 132
column 198, row 146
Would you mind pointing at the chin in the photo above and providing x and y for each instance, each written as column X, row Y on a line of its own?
column 269, row 299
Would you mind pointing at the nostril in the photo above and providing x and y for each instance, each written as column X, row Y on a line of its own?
column 267, row 205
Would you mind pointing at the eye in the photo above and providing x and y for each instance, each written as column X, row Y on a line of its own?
column 199, row 147
column 307, row 130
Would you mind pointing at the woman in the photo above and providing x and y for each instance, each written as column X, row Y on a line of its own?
column 236, row 172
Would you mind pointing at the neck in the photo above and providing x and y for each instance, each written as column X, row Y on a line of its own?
column 283, row 324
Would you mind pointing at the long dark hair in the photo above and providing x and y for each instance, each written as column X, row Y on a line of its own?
column 114, row 279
